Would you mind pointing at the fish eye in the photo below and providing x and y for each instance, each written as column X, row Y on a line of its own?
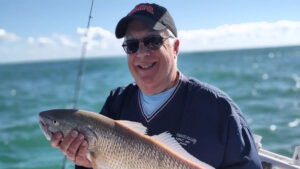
column 55, row 123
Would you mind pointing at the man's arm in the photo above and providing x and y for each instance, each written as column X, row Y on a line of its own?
column 240, row 152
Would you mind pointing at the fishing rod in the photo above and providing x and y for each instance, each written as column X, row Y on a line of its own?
column 82, row 59
column 80, row 69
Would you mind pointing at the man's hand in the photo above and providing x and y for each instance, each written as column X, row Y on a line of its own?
column 73, row 146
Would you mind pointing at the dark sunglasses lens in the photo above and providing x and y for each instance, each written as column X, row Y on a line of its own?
column 131, row 46
column 153, row 42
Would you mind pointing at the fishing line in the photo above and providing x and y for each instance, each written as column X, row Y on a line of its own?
column 80, row 68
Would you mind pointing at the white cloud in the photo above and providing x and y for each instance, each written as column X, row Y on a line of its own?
column 245, row 35
column 102, row 42
column 54, row 47
column 7, row 36
column 58, row 46
column 55, row 39
column 45, row 41
column 40, row 41
column 30, row 40
column 64, row 40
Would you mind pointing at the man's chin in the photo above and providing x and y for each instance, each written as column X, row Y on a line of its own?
column 147, row 87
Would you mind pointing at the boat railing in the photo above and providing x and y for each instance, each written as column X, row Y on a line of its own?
column 272, row 160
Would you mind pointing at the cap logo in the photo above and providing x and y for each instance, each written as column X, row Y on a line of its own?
column 142, row 7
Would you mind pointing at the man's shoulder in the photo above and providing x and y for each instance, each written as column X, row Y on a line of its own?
column 117, row 99
column 212, row 96
column 205, row 89
column 124, row 90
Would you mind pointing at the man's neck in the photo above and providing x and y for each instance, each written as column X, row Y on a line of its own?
column 155, row 90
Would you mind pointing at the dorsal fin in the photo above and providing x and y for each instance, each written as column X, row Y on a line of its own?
column 136, row 126
column 168, row 141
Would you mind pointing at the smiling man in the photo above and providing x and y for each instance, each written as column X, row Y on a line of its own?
column 152, row 62
column 203, row 119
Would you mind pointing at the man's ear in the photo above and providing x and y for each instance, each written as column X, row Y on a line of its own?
column 176, row 47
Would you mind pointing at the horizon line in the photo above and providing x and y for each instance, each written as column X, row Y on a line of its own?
column 124, row 55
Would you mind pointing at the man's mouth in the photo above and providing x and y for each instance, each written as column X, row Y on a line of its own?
column 145, row 67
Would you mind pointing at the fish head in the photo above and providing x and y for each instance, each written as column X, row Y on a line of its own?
column 93, row 126
column 62, row 120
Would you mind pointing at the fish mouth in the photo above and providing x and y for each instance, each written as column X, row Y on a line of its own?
column 45, row 128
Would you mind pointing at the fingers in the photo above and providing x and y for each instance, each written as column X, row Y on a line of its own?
column 72, row 150
column 81, row 158
column 65, row 144
column 56, row 139
column 73, row 146
column 81, row 155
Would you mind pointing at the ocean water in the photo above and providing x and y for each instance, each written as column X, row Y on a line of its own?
column 265, row 83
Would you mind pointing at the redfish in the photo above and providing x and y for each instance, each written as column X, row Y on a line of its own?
column 119, row 144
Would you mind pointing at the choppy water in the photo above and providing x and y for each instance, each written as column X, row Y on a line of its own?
column 265, row 83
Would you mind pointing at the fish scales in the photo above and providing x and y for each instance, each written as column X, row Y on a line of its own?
column 114, row 145
column 132, row 151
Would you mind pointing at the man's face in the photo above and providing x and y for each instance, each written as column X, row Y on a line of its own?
column 154, row 71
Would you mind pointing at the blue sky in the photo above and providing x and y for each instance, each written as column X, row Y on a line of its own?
column 53, row 29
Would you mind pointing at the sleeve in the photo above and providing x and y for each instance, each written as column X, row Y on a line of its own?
column 240, row 151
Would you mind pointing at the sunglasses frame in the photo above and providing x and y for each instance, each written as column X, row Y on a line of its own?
column 149, row 42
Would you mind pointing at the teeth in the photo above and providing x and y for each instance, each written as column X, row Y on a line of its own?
column 148, row 66
column 145, row 67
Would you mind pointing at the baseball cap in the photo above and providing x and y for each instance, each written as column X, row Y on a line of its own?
column 152, row 15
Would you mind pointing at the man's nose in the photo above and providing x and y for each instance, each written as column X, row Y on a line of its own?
column 142, row 50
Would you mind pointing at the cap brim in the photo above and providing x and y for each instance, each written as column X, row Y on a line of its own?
column 123, row 23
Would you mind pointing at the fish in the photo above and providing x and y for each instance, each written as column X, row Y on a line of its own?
column 119, row 144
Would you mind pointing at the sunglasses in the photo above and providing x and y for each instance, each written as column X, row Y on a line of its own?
column 152, row 42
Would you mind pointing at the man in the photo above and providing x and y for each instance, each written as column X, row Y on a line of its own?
column 203, row 119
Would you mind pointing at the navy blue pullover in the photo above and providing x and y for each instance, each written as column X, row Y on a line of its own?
column 202, row 118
